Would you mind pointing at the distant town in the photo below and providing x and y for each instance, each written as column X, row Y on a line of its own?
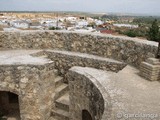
column 101, row 23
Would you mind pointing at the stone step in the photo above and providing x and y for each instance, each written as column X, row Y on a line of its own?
column 149, row 66
column 61, row 90
column 58, row 81
column 60, row 114
column 63, row 102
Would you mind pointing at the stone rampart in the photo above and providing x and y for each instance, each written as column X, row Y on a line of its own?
column 131, row 51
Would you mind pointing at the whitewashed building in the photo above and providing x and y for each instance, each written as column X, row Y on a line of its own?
column 82, row 23
column 126, row 25
column 20, row 24
column 10, row 29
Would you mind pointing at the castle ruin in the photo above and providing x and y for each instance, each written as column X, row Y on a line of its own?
column 57, row 75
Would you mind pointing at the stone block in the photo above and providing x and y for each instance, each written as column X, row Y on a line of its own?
column 150, row 69
column 153, row 61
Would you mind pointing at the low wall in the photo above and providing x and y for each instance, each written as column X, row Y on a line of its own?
column 65, row 60
column 86, row 93
column 131, row 51
column 33, row 85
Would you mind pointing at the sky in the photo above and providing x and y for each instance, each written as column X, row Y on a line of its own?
column 149, row 7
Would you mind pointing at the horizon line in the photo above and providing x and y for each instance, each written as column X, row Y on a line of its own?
column 91, row 12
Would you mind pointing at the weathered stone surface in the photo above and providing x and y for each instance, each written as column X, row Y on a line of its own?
column 86, row 93
column 153, row 61
column 64, row 60
column 33, row 82
column 104, row 94
column 131, row 51
column 126, row 94
column 150, row 69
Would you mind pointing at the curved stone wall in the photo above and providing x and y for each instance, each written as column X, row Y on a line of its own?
column 86, row 93
column 131, row 51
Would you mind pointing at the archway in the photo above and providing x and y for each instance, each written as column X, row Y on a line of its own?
column 86, row 115
column 9, row 105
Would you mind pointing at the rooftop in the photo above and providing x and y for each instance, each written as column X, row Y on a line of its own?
column 21, row 57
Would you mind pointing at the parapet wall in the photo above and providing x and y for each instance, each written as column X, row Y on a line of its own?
column 131, row 51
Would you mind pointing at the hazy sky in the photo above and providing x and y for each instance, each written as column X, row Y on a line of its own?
column 121, row 6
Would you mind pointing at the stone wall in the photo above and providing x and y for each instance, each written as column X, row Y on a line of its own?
column 34, row 86
column 86, row 93
column 150, row 69
column 131, row 51
column 65, row 60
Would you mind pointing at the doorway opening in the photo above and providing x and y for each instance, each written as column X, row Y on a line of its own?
column 86, row 115
column 9, row 106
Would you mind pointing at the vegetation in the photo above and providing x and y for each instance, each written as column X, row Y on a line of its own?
column 146, row 20
column 134, row 32
column 130, row 33
column 154, row 35
column 53, row 28
column 92, row 24
column 144, row 25
column 110, row 17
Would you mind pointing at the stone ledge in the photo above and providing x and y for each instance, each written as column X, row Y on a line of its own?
column 22, row 57
column 64, row 60
column 153, row 61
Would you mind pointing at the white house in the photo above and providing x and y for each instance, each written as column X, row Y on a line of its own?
column 71, row 18
column 20, row 24
column 126, row 25
column 82, row 23
column 99, row 22
column 10, row 29
column 4, row 22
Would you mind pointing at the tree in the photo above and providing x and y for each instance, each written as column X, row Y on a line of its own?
column 131, row 33
column 54, row 28
column 92, row 24
column 154, row 35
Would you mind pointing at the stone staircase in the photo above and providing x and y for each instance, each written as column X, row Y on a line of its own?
column 64, row 60
column 60, row 110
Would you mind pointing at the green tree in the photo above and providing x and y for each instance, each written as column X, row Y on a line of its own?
column 154, row 35
column 54, row 28
column 130, row 33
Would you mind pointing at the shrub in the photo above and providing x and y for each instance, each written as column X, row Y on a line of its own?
column 130, row 33
column 54, row 28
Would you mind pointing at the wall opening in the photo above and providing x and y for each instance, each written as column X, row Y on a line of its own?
column 86, row 115
column 9, row 106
